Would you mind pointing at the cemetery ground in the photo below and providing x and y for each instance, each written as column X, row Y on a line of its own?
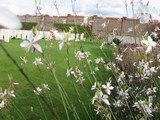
column 77, row 97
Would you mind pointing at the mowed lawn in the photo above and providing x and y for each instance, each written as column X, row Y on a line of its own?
column 76, row 97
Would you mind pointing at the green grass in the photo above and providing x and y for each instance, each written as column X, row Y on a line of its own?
column 27, row 105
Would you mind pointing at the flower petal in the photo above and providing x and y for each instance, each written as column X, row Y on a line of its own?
column 61, row 45
column 27, row 45
column 149, row 48
column 38, row 47
column 38, row 37
column 24, row 43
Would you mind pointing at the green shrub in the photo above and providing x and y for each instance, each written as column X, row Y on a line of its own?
column 77, row 28
column 116, row 41
column 28, row 25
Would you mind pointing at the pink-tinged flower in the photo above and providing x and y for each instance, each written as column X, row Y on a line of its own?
column 130, row 29
column 81, row 55
column 32, row 42
column 152, row 70
column 149, row 44
column 100, row 97
column 108, row 88
column 143, row 106
column 37, row 62
column 99, row 60
column 69, row 72
column 8, row 19
column 115, row 31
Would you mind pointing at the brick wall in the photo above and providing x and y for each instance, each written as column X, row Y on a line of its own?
column 121, row 24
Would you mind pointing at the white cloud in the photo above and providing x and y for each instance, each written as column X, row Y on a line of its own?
column 106, row 7
column 112, row 8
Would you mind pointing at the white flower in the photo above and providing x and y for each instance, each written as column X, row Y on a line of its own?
column 118, row 103
column 45, row 86
column 108, row 88
column 3, row 94
column 37, row 91
column 80, row 80
column 152, row 70
column 102, row 45
column 105, row 99
column 85, row 21
column 96, row 68
column 158, row 57
column 24, row 60
column 94, row 86
column 149, row 43
column 144, row 13
column 12, row 93
column 114, row 45
column 32, row 42
column 103, row 24
column 71, row 29
column 57, row 35
column 8, row 19
column 99, row 60
column 98, row 96
column 65, row 38
column 61, row 44
column 2, row 104
column 151, row 91
column 81, row 55
column 37, row 62
column 123, row 94
column 69, row 71
column 119, row 57
column 130, row 29
column 136, row 105
column 92, row 72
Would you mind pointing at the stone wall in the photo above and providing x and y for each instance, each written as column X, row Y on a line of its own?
column 124, row 26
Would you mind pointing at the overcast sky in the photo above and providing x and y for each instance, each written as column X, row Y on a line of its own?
column 110, row 8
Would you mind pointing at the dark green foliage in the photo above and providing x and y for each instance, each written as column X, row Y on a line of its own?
column 28, row 25
column 116, row 41
column 77, row 28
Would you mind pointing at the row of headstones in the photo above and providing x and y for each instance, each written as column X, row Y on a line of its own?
column 6, row 34
column 125, row 39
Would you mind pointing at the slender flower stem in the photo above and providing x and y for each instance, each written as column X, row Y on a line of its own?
column 29, row 81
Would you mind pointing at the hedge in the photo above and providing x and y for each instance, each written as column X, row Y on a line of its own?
column 28, row 25
column 77, row 28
